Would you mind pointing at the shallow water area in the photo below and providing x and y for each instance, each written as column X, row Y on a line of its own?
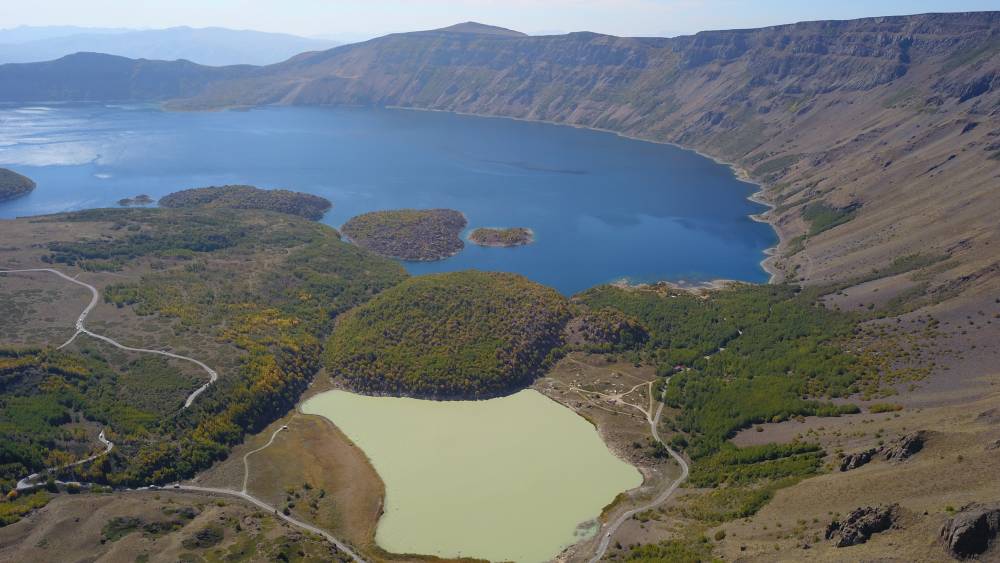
column 510, row 479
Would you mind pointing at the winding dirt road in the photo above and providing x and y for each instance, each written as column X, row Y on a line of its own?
column 82, row 329
column 27, row 482
column 261, row 504
column 610, row 529
column 246, row 461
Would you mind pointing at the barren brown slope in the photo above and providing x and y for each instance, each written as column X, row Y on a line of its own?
column 897, row 115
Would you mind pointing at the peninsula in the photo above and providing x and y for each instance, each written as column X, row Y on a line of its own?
column 14, row 185
column 136, row 201
column 250, row 197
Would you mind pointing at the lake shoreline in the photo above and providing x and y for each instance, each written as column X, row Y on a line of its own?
column 770, row 254
column 649, row 228
column 404, row 526
column 682, row 285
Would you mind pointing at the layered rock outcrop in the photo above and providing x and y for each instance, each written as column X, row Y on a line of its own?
column 861, row 524
column 898, row 450
column 972, row 531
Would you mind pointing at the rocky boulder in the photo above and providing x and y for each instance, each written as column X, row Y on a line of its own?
column 904, row 447
column 856, row 460
column 861, row 524
column 897, row 450
column 991, row 416
column 972, row 531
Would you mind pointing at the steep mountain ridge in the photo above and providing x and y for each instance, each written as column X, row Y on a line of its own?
column 100, row 77
column 479, row 28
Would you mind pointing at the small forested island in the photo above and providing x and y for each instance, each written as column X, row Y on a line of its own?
column 250, row 197
column 138, row 200
column 14, row 185
column 459, row 335
column 514, row 236
column 409, row 234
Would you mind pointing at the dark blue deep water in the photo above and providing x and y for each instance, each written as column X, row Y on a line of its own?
column 603, row 208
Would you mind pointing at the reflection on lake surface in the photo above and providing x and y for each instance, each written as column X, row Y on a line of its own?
column 602, row 207
column 503, row 479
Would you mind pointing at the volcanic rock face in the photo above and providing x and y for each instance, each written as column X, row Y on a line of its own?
column 972, row 531
column 861, row 523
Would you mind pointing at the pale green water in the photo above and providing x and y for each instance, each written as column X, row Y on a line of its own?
column 504, row 479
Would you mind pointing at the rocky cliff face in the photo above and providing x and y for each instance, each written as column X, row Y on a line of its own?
column 896, row 117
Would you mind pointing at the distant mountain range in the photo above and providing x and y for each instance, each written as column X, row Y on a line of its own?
column 889, row 125
column 208, row 46
column 25, row 33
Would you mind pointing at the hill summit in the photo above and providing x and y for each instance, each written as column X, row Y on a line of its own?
column 476, row 28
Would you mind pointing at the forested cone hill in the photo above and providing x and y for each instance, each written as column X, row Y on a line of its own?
column 893, row 118
column 459, row 335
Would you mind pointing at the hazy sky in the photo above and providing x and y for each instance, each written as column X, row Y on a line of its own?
column 376, row 17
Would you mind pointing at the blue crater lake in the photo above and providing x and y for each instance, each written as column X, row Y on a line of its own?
column 603, row 207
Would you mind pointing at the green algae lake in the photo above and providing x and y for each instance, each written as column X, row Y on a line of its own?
column 517, row 478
